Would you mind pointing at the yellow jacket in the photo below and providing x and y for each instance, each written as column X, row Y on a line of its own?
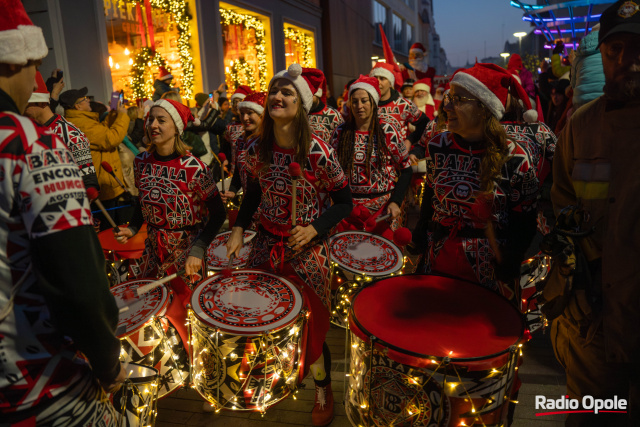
column 103, row 141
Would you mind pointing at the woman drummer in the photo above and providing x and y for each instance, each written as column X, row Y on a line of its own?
column 372, row 154
column 481, row 187
column 296, row 248
column 179, row 201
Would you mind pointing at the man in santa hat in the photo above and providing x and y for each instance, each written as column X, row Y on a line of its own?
column 39, row 110
column 162, row 84
column 322, row 118
column 418, row 67
column 54, row 294
column 423, row 99
column 399, row 111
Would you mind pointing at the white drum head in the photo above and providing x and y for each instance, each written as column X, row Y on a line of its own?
column 141, row 308
column 365, row 253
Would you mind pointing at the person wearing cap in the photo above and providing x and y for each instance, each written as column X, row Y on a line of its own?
column 322, row 118
column 54, row 294
column 400, row 112
column 39, row 110
column 174, row 188
column 422, row 98
column 558, row 104
column 298, row 248
column 407, row 88
column 104, row 138
column 373, row 155
column 480, row 187
column 595, row 174
column 162, row 84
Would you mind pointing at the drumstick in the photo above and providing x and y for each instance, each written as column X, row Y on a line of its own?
column 93, row 195
column 226, row 272
column 372, row 222
column 223, row 158
column 295, row 172
column 151, row 286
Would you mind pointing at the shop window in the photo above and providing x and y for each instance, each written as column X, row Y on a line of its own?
column 142, row 37
column 379, row 17
column 246, row 42
column 299, row 46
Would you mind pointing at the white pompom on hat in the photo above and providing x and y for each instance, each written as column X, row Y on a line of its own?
column 20, row 40
column 491, row 84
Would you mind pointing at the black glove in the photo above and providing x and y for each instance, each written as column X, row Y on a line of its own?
column 559, row 47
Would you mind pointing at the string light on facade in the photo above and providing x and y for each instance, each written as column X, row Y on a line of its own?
column 305, row 40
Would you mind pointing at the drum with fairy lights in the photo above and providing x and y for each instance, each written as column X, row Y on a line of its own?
column 135, row 401
column 358, row 257
column 217, row 252
column 122, row 259
column 247, row 331
column 425, row 352
column 147, row 336
column 533, row 276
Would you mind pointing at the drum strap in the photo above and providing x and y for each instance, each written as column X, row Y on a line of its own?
column 371, row 195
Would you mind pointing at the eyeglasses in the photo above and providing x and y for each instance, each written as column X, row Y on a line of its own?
column 84, row 98
column 456, row 99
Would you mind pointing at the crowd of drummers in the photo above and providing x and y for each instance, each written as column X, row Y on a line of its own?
column 474, row 155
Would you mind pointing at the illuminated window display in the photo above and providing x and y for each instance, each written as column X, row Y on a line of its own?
column 299, row 46
column 144, row 34
column 246, row 42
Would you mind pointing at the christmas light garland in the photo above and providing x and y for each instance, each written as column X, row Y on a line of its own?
column 229, row 17
column 306, row 41
column 141, row 84
column 241, row 65
column 179, row 10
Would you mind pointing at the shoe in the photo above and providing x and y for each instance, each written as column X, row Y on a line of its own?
column 322, row 413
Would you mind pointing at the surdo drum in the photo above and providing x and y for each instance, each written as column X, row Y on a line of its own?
column 247, row 335
column 122, row 259
column 533, row 276
column 217, row 252
column 135, row 402
column 147, row 337
column 358, row 257
column 431, row 351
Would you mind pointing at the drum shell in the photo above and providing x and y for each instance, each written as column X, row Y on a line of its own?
column 135, row 401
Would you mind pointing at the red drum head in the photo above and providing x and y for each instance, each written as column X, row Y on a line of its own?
column 435, row 316
column 365, row 253
column 249, row 302
column 141, row 308
column 217, row 251
column 131, row 250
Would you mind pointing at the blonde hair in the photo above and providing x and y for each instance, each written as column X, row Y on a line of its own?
column 496, row 152
column 178, row 145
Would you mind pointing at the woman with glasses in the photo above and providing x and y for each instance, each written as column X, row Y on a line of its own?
column 481, row 187
column 373, row 155
column 296, row 248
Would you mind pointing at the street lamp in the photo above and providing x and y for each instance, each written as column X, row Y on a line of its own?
column 520, row 35
column 505, row 55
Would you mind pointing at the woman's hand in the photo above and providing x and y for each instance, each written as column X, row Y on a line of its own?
column 192, row 265
column 124, row 235
column 300, row 236
column 117, row 382
column 235, row 243
column 413, row 159
column 227, row 195
column 394, row 210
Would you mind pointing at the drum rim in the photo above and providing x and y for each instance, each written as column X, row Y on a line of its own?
column 197, row 309
column 145, row 379
column 216, row 267
column 368, row 334
column 372, row 274
column 164, row 303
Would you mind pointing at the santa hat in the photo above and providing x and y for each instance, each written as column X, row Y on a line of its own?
column 164, row 74
column 181, row 114
column 423, row 84
column 369, row 84
column 41, row 94
column 241, row 92
column 20, row 40
column 383, row 69
column 254, row 102
column 306, row 80
column 322, row 89
column 515, row 62
column 491, row 84
column 418, row 47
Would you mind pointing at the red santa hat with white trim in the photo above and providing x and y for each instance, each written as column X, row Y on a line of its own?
column 181, row 114
column 491, row 84
column 20, row 40
column 388, row 71
column 254, row 102
column 241, row 92
column 164, row 74
column 322, row 89
column 368, row 84
column 307, row 81
column 418, row 47
column 41, row 94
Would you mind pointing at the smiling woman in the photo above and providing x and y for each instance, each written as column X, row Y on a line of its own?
column 293, row 227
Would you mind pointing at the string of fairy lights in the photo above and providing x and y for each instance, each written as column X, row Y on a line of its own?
column 305, row 40
column 141, row 78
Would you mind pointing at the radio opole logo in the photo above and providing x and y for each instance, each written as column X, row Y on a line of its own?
column 588, row 404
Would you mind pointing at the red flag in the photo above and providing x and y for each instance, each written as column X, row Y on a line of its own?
column 388, row 53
